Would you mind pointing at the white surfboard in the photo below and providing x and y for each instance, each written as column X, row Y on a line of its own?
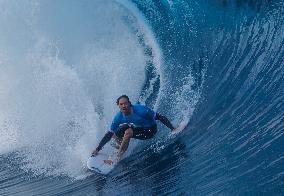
column 98, row 164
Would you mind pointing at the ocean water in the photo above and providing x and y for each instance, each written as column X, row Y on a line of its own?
column 216, row 64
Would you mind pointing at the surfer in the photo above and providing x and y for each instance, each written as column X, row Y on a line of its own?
column 132, row 121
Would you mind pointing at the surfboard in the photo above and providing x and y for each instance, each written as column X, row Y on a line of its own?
column 97, row 163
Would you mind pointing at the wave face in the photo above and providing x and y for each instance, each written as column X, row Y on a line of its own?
column 215, row 64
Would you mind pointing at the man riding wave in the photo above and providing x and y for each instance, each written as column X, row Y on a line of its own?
column 132, row 121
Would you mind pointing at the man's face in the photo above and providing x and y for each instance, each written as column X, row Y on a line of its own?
column 124, row 106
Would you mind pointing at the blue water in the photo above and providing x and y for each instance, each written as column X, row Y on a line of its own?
column 218, row 65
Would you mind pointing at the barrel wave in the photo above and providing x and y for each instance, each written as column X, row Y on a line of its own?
column 216, row 65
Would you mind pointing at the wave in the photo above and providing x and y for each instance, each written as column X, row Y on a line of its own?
column 216, row 64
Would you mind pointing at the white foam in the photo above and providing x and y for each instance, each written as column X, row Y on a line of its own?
column 57, row 93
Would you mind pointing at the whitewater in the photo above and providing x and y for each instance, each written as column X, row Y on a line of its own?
column 216, row 65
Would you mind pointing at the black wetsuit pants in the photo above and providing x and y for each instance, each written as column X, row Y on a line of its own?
column 141, row 133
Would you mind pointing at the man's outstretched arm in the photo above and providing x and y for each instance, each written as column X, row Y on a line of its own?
column 104, row 140
column 164, row 120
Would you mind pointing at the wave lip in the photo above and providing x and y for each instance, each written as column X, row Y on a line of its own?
column 217, row 65
column 59, row 84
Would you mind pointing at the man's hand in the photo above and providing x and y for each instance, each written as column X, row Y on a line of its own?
column 95, row 153
column 181, row 127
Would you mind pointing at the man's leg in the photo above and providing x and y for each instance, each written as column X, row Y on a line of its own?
column 144, row 133
column 117, row 140
column 125, row 142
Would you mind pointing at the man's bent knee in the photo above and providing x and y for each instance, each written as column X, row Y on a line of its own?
column 128, row 133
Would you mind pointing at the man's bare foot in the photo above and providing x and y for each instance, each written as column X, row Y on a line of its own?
column 110, row 162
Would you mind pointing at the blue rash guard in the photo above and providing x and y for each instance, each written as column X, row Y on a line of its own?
column 144, row 120
column 141, row 116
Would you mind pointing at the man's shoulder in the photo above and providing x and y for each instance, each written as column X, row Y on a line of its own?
column 138, row 106
column 117, row 116
column 141, row 108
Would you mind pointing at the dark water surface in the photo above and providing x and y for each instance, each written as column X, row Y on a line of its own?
column 217, row 64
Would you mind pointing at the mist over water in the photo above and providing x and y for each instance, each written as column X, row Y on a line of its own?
column 215, row 64
column 60, row 81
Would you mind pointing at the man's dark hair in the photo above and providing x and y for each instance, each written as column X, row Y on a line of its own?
column 123, row 96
